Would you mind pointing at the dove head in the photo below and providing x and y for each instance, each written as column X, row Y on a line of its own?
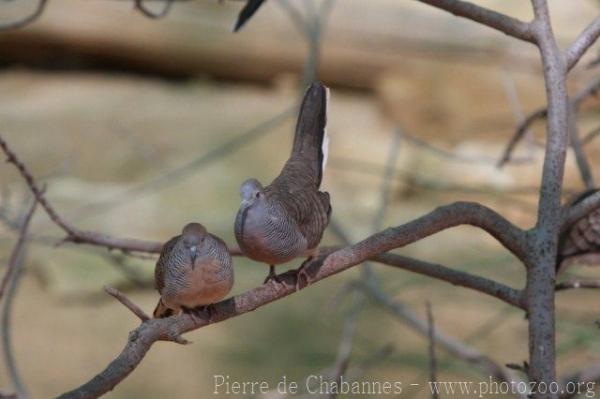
column 193, row 234
column 251, row 191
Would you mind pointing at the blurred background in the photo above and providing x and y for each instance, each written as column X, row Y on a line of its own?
column 138, row 126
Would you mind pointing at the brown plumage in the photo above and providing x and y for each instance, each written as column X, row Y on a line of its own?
column 583, row 237
column 194, row 269
column 287, row 218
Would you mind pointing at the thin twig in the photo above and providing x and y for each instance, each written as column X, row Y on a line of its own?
column 135, row 309
column 5, row 325
column 432, row 357
column 591, row 136
column 41, row 4
column 589, row 90
column 505, row 24
column 344, row 351
column 522, row 129
column 582, row 43
column 17, row 249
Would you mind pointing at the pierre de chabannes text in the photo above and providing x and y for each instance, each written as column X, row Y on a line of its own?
column 322, row 385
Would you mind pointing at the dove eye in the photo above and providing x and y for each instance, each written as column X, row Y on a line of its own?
column 257, row 195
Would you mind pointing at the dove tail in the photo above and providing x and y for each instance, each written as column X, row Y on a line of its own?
column 161, row 310
column 311, row 141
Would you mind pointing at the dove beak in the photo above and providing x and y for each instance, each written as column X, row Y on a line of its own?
column 194, row 251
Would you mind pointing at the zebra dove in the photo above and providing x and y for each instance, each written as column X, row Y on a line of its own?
column 194, row 269
column 287, row 218
column 247, row 12
column 583, row 236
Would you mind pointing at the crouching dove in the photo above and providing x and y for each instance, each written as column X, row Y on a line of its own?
column 582, row 237
column 193, row 270
column 287, row 218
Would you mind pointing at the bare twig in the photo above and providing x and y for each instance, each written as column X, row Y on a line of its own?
column 589, row 90
column 498, row 290
column 505, row 24
column 5, row 325
column 74, row 234
column 522, row 128
column 432, row 357
column 344, row 351
column 119, row 296
column 16, row 252
column 591, row 136
column 581, row 44
column 41, row 4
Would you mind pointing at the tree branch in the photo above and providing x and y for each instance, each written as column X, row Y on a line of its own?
column 541, row 271
column 150, row 331
column 503, row 23
column 74, row 234
column 493, row 288
column 581, row 44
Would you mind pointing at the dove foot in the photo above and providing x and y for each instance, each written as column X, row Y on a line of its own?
column 301, row 272
column 272, row 276
column 209, row 309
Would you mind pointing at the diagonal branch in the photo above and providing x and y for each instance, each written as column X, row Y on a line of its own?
column 582, row 43
column 150, row 331
column 493, row 19
column 493, row 288
column 74, row 234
